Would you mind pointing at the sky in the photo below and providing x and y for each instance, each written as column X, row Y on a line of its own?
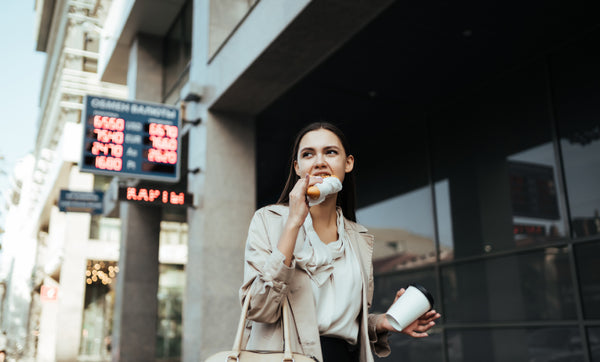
column 20, row 81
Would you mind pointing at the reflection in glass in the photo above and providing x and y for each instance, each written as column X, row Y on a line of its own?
column 403, row 230
column 530, row 286
column 576, row 80
column 588, row 270
column 494, row 168
column 444, row 220
column 171, row 283
column 407, row 349
column 582, row 169
column 534, row 195
column 512, row 344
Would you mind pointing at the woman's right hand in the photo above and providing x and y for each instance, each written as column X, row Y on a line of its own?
column 298, row 204
column 298, row 210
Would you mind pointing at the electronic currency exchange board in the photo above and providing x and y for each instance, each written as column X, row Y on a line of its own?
column 131, row 139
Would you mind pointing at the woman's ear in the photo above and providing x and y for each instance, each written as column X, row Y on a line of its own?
column 349, row 163
column 296, row 168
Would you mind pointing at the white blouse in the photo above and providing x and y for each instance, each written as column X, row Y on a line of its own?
column 336, row 281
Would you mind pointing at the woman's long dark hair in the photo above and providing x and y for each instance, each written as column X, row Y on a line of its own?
column 346, row 198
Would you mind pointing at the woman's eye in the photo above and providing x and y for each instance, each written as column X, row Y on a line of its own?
column 331, row 152
column 306, row 154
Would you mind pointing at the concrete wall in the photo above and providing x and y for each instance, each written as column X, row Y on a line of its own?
column 136, row 304
column 72, row 272
column 217, row 232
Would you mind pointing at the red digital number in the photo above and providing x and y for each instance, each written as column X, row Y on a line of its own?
column 164, row 143
column 109, row 163
column 107, row 149
column 162, row 156
column 109, row 136
column 109, row 123
column 162, row 130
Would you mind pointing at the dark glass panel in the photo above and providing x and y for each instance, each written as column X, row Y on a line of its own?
column 500, row 345
column 494, row 167
column 576, row 80
column 588, row 269
column 173, row 54
column 530, row 286
column 594, row 343
column 399, row 212
column 188, row 12
column 408, row 349
column 177, row 48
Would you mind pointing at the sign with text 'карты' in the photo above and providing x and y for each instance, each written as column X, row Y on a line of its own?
column 131, row 139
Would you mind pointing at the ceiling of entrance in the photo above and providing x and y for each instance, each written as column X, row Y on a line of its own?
column 414, row 57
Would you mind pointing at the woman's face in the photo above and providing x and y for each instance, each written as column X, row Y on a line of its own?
column 320, row 153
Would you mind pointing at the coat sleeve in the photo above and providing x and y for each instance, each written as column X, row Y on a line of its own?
column 266, row 277
column 379, row 341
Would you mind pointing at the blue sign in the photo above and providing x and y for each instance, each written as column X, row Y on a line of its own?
column 131, row 139
column 78, row 201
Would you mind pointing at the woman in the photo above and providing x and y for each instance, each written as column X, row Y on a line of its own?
column 319, row 259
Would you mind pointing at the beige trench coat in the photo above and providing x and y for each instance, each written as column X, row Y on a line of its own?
column 269, row 281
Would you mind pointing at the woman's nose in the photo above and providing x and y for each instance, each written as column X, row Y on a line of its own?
column 320, row 159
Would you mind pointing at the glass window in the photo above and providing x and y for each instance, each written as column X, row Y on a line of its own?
column 408, row 349
column 173, row 233
column 398, row 211
column 494, row 170
column 529, row 286
column 588, row 270
column 512, row 344
column 576, row 80
column 177, row 49
column 171, row 283
column 225, row 17
column 105, row 228
column 594, row 343
column 101, row 277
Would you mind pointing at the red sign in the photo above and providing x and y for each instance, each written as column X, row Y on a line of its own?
column 521, row 229
column 155, row 196
column 48, row 293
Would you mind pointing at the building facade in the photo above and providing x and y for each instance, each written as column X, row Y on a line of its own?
column 476, row 137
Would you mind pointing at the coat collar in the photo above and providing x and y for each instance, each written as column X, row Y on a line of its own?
column 283, row 210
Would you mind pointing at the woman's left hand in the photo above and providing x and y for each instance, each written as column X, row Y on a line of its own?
column 417, row 329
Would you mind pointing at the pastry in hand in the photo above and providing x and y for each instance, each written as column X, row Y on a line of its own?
column 318, row 192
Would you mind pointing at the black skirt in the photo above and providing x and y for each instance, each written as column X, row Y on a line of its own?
column 338, row 350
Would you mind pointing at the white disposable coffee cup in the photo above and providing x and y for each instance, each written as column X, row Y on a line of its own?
column 415, row 301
